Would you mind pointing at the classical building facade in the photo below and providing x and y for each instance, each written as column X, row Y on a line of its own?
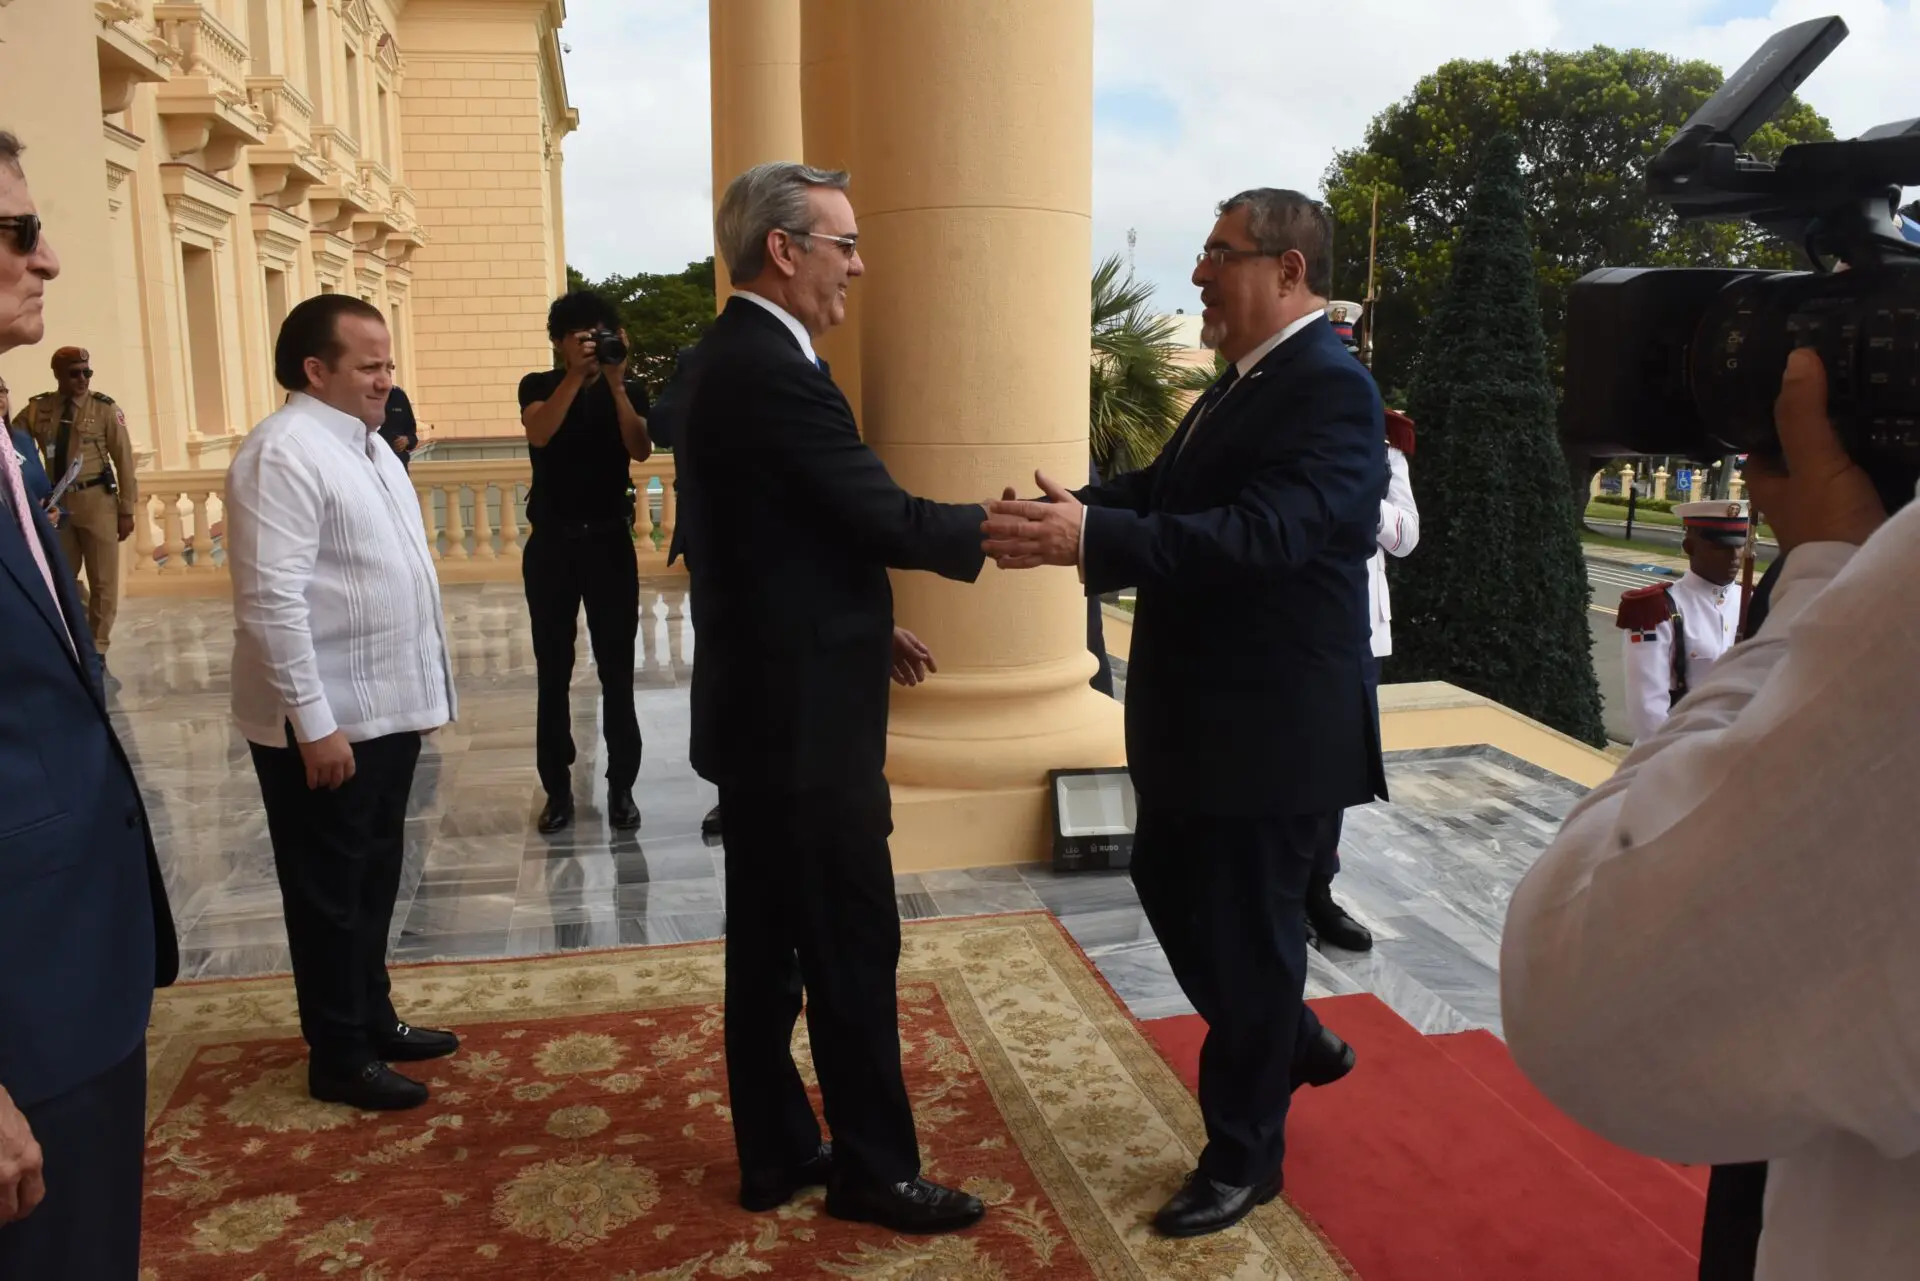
column 203, row 165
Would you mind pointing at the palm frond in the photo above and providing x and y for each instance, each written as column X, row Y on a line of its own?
column 1137, row 391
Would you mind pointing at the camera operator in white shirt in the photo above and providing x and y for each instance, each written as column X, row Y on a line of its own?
column 1670, row 974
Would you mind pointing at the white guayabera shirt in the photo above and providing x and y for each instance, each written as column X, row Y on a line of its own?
column 1716, row 961
column 336, row 606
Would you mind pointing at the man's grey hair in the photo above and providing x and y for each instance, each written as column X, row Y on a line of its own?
column 10, row 149
column 1279, row 220
column 769, row 197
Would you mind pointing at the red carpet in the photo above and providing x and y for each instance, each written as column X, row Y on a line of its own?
column 1437, row 1161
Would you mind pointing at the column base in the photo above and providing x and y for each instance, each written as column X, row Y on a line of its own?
column 951, row 827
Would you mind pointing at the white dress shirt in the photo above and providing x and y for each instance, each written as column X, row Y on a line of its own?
column 1399, row 534
column 785, row 317
column 1717, row 960
column 336, row 606
column 1709, row 617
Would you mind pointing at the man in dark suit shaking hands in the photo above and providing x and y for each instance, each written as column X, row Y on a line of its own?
column 795, row 523
column 1248, row 725
column 85, row 931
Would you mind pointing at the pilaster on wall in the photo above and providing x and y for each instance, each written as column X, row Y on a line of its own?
column 484, row 113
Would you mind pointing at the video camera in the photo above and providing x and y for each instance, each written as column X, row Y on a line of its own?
column 1688, row 360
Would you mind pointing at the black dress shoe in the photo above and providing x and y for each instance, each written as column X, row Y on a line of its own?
column 710, row 825
column 1204, row 1206
column 622, row 814
column 1322, row 1061
column 1329, row 922
column 373, row 1088
column 408, row 1044
column 556, row 814
column 913, row 1208
column 770, row 1191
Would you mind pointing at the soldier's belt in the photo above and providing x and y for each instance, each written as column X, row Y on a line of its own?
column 102, row 479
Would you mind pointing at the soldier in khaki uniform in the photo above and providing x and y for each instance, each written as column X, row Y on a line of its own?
column 76, row 421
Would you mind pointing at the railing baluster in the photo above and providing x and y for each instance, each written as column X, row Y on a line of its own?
column 202, row 535
column 426, row 519
column 172, row 533
column 510, row 519
column 456, row 528
column 143, row 537
column 483, row 520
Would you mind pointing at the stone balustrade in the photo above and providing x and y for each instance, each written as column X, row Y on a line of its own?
column 475, row 514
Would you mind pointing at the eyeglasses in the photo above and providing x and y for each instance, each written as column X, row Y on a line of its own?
column 79, row 373
column 25, row 229
column 1220, row 255
column 849, row 245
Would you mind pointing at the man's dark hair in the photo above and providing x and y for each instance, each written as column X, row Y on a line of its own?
column 581, row 309
column 1279, row 220
column 313, row 329
column 10, row 149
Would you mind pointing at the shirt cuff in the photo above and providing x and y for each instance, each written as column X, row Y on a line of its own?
column 1080, row 556
column 312, row 722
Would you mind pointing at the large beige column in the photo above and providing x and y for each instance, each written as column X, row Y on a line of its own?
column 753, row 49
column 830, row 119
column 975, row 209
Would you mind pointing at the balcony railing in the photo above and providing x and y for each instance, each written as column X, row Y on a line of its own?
column 475, row 515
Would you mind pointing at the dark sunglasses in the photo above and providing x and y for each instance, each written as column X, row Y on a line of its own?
column 78, row 373
column 25, row 229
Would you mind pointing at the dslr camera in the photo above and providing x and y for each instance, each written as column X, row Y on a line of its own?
column 1688, row 360
column 608, row 347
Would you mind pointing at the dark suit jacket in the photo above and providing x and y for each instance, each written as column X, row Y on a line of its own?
column 794, row 524
column 664, row 422
column 85, row 930
column 1246, row 689
column 400, row 422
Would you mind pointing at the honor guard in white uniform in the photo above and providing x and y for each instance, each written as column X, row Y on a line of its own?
column 1673, row 633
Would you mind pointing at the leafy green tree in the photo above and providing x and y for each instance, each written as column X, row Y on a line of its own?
column 1586, row 124
column 1495, row 600
column 1136, row 397
column 661, row 313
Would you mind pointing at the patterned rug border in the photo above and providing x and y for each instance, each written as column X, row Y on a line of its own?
column 1287, row 1232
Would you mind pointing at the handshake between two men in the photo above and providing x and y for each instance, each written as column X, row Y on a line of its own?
column 1018, row 534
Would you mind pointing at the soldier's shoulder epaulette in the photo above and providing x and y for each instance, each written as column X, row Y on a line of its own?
column 42, row 395
column 1400, row 432
column 1644, row 608
column 102, row 396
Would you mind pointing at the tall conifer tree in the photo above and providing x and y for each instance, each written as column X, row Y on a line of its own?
column 1495, row 598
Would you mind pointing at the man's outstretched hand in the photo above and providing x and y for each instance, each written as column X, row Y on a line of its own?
column 1022, row 534
column 912, row 660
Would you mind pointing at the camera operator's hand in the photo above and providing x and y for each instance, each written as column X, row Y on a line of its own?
column 1823, row 497
column 577, row 349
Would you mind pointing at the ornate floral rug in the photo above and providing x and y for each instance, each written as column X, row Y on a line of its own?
column 582, row 1132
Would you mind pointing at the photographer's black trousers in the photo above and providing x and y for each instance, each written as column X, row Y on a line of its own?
column 563, row 567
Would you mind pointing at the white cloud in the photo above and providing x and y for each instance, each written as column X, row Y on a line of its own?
column 1197, row 101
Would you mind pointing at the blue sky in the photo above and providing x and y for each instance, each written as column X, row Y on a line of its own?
column 1192, row 101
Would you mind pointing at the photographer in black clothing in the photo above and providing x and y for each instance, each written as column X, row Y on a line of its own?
column 585, row 419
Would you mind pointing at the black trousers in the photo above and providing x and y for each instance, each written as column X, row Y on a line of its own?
column 93, row 1142
column 810, row 910
column 564, row 566
column 338, row 856
column 1102, row 678
column 1730, row 1237
column 1225, row 898
column 1326, row 855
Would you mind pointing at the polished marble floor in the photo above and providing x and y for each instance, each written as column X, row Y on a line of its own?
column 1430, row 873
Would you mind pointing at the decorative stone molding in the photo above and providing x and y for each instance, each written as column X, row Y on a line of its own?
column 205, row 109
column 127, row 58
column 277, row 236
